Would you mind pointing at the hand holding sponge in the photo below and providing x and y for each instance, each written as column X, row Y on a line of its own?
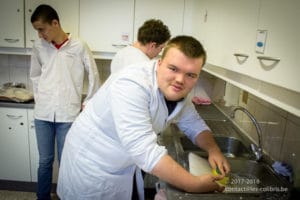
column 224, row 181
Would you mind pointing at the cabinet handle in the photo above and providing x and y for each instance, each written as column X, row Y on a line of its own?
column 9, row 40
column 32, row 124
column 14, row 116
column 268, row 58
column 119, row 45
column 241, row 55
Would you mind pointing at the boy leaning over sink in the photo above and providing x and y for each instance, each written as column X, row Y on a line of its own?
column 117, row 131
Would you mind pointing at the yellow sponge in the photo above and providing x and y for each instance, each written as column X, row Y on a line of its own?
column 224, row 181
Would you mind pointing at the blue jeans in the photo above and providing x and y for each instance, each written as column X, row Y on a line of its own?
column 46, row 132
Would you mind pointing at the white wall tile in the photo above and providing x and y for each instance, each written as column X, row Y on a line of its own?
column 103, row 69
column 18, row 69
column 14, row 68
column 273, row 133
column 290, row 150
column 4, row 69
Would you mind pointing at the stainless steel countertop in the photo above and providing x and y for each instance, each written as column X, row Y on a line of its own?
column 216, row 120
column 29, row 105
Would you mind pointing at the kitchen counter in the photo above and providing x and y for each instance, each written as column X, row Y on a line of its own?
column 29, row 104
column 220, row 124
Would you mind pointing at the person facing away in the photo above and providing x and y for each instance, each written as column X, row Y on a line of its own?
column 152, row 37
column 117, row 131
column 58, row 64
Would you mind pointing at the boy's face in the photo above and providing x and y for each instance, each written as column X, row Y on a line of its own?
column 177, row 74
column 45, row 30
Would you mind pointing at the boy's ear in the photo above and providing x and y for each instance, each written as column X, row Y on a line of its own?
column 55, row 22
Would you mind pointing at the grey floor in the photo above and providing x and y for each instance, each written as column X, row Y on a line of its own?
column 16, row 195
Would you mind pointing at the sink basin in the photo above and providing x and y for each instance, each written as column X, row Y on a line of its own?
column 251, row 176
column 230, row 146
column 249, row 179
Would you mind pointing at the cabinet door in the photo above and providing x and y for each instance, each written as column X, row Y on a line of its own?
column 106, row 25
column 280, row 19
column 68, row 12
column 226, row 28
column 202, row 20
column 170, row 12
column 238, row 32
column 14, row 151
column 12, row 23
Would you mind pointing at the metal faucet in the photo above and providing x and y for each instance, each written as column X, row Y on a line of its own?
column 258, row 151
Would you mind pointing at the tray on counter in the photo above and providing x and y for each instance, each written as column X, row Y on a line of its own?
column 15, row 94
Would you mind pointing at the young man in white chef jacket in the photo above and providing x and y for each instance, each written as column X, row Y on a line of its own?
column 152, row 38
column 117, row 131
column 58, row 64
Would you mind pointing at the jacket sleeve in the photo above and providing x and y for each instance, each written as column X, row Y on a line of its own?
column 190, row 122
column 35, row 71
column 132, row 119
column 92, row 71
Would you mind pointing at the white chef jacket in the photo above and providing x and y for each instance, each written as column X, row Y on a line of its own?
column 57, row 76
column 117, row 132
column 127, row 56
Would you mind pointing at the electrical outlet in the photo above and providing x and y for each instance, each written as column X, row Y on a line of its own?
column 245, row 97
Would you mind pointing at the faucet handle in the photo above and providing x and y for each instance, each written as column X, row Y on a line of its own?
column 257, row 151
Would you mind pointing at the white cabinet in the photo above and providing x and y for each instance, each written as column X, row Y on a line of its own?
column 14, row 151
column 226, row 28
column 12, row 23
column 15, row 27
column 230, row 27
column 68, row 12
column 238, row 25
column 106, row 25
column 202, row 20
column 18, row 146
column 170, row 12
column 280, row 19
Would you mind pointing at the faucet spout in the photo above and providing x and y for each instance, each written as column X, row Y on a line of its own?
column 257, row 150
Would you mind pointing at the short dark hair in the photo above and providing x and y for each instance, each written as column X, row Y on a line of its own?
column 153, row 30
column 44, row 12
column 188, row 45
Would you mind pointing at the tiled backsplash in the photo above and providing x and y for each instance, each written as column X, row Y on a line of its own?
column 15, row 68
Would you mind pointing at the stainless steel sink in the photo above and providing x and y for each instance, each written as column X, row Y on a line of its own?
column 230, row 146
column 250, row 176
column 249, row 179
